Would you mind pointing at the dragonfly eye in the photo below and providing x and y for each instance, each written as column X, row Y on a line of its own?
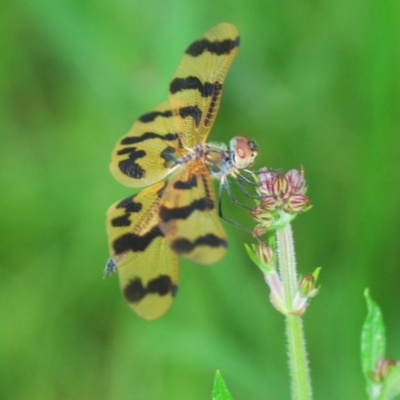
column 244, row 151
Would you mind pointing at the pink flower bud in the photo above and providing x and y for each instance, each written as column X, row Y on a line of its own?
column 382, row 368
column 297, row 203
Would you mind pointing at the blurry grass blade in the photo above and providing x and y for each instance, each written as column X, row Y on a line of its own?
column 220, row 391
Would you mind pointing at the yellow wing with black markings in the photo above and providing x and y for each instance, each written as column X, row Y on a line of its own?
column 143, row 155
column 148, row 231
column 196, row 87
column 147, row 266
column 188, row 216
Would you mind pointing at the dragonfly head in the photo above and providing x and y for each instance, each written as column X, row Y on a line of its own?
column 243, row 151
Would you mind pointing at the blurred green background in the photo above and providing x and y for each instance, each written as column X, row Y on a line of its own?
column 315, row 83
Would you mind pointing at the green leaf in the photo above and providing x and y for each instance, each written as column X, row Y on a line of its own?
column 253, row 256
column 220, row 391
column 391, row 385
column 373, row 342
column 251, row 252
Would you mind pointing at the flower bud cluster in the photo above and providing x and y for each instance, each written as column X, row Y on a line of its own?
column 282, row 197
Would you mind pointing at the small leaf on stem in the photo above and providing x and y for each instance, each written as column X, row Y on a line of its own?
column 373, row 344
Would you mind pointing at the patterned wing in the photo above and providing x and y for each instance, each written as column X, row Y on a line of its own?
column 147, row 267
column 142, row 157
column 188, row 217
column 196, row 87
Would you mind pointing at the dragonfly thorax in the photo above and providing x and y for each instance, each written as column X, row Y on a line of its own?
column 222, row 162
column 219, row 160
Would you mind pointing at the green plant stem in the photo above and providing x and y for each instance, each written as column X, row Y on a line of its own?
column 298, row 365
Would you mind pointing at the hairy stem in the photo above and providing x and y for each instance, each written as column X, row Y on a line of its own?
column 298, row 364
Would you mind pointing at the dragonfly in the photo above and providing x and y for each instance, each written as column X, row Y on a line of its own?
column 166, row 152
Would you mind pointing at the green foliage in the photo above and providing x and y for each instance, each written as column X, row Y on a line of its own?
column 373, row 342
column 373, row 337
column 315, row 83
column 382, row 376
column 391, row 385
column 220, row 391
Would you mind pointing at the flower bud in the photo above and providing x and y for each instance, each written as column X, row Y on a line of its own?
column 296, row 181
column 297, row 203
column 265, row 176
column 280, row 185
column 266, row 254
column 282, row 192
column 382, row 368
column 256, row 211
column 307, row 286
column 259, row 231
column 270, row 203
